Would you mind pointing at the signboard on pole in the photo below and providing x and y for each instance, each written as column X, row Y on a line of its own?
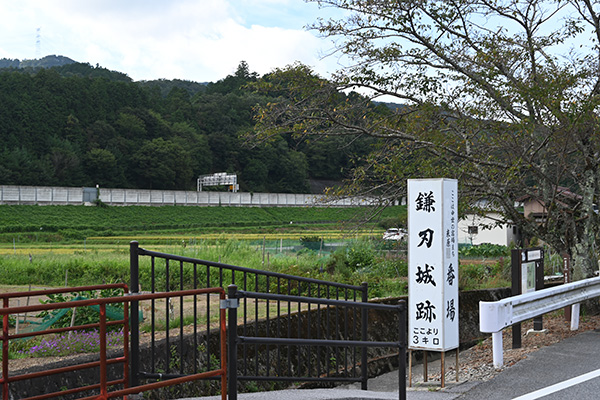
column 527, row 276
column 433, row 264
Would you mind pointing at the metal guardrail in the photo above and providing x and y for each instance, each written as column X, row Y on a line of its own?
column 497, row 315
column 105, row 360
column 309, row 339
column 171, row 272
column 120, row 386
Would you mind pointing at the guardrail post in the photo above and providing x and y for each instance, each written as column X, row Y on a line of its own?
column 232, row 343
column 575, row 316
column 497, row 354
column 134, row 270
column 364, row 337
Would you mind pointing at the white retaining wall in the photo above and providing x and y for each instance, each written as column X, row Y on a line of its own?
column 42, row 195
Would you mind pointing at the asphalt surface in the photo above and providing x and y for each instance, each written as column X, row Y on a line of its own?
column 550, row 367
column 566, row 370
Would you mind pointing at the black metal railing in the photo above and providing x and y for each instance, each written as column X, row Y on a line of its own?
column 167, row 272
column 313, row 344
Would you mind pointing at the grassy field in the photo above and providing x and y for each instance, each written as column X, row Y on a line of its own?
column 77, row 245
column 62, row 223
column 48, row 245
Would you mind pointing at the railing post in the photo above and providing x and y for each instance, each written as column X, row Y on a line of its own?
column 232, row 343
column 134, row 274
column 5, row 332
column 364, row 337
column 402, row 317
column 103, row 366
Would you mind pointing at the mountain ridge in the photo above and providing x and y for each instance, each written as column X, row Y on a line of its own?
column 49, row 61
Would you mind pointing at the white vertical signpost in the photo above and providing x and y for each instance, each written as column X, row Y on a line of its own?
column 433, row 268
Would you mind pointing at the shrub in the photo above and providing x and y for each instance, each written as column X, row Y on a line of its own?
column 484, row 250
column 311, row 242
column 361, row 254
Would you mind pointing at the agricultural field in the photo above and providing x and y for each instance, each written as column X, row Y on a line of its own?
column 54, row 245
column 77, row 245
column 64, row 223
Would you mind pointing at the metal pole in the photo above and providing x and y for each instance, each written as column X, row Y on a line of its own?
column 515, row 257
column 497, row 355
column 232, row 339
column 567, row 279
column 538, row 322
column 364, row 337
column 134, row 270
column 5, row 334
column 103, row 367
column 402, row 352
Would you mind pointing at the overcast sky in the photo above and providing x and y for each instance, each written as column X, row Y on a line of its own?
column 197, row 40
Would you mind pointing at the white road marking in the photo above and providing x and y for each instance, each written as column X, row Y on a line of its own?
column 559, row 386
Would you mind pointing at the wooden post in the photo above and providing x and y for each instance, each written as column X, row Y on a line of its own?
column 72, row 321
column 425, row 373
column 409, row 368
column 443, row 370
column 457, row 363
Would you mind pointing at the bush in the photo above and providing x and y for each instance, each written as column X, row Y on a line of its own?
column 311, row 242
column 484, row 250
column 338, row 261
column 361, row 254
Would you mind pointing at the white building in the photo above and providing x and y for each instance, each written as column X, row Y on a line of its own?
column 476, row 229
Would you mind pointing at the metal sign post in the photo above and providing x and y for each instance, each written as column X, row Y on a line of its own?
column 433, row 266
column 567, row 279
column 527, row 276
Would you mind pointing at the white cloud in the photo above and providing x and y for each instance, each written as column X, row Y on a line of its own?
column 186, row 39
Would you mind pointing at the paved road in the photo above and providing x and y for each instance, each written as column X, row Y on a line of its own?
column 567, row 370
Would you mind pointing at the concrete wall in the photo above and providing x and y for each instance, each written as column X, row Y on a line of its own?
column 43, row 195
column 40, row 195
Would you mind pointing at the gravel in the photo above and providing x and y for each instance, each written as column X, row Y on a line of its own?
column 476, row 363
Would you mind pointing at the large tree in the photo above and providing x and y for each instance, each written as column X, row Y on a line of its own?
column 500, row 94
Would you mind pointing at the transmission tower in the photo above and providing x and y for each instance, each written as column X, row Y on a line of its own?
column 37, row 43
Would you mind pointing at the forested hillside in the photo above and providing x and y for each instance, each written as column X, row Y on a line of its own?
column 79, row 125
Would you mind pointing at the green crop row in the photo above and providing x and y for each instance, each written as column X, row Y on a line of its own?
column 69, row 219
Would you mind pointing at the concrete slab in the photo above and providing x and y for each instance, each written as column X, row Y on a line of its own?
column 383, row 387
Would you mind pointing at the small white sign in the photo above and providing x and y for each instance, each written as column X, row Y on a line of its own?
column 534, row 255
column 433, row 264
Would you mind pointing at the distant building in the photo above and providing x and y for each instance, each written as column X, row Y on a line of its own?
column 476, row 229
column 535, row 209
